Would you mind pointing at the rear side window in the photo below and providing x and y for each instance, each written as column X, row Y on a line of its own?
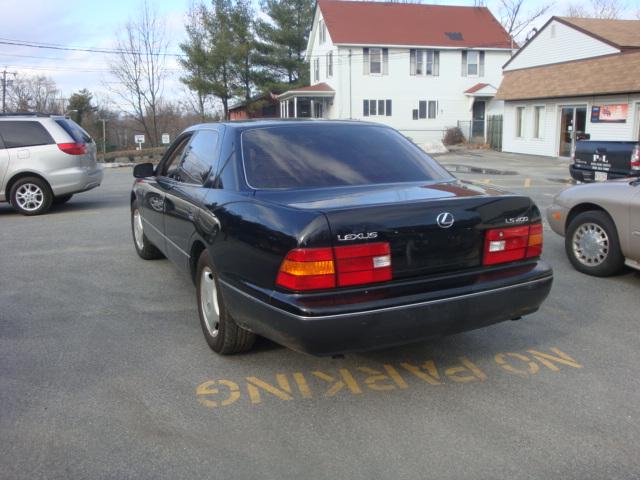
column 200, row 158
column 74, row 130
column 24, row 134
column 333, row 155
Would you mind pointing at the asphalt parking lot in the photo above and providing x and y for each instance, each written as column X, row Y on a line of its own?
column 104, row 371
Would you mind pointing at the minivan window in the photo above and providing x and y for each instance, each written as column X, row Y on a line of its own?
column 24, row 134
column 74, row 130
column 200, row 158
column 311, row 156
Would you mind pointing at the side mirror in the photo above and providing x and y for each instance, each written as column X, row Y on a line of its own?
column 143, row 170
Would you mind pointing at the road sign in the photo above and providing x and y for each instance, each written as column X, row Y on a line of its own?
column 139, row 139
column 166, row 139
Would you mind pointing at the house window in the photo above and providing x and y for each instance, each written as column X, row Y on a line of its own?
column 329, row 64
column 472, row 63
column 375, row 60
column 316, row 69
column 426, row 109
column 538, row 122
column 519, row 122
column 424, row 62
column 376, row 107
column 323, row 31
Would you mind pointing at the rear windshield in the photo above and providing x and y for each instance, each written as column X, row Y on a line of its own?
column 308, row 156
column 74, row 130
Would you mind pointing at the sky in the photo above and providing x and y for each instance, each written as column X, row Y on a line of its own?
column 92, row 24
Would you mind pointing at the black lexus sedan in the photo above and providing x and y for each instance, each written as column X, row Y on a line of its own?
column 333, row 236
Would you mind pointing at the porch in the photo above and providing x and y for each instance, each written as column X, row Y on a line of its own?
column 306, row 102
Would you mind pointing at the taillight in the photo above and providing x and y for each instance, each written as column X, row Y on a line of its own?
column 323, row 268
column 509, row 244
column 635, row 158
column 73, row 148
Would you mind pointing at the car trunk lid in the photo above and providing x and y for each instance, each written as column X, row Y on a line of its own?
column 430, row 228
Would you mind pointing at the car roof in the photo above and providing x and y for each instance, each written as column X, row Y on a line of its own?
column 30, row 116
column 261, row 123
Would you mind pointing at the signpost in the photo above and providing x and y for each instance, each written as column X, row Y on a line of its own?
column 139, row 139
column 166, row 139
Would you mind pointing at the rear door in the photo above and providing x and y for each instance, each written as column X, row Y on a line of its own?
column 29, row 145
column 185, row 190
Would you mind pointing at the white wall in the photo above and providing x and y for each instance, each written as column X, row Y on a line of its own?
column 549, row 144
column 559, row 43
column 407, row 90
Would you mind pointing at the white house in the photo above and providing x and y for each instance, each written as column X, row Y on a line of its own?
column 575, row 78
column 418, row 68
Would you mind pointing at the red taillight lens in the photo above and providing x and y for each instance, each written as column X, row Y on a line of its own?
column 307, row 269
column 322, row 268
column 73, row 148
column 635, row 159
column 360, row 264
column 503, row 245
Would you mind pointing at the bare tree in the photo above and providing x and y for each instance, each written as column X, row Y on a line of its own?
column 606, row 9
column 140, row 68
column 516, row 19
column 34, row 93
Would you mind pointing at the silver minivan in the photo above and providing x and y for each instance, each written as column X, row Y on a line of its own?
column 44, row 159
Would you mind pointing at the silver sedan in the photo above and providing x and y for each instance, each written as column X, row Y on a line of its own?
column 601, row 225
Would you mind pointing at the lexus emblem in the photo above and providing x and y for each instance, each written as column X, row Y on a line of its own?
column 445, row 220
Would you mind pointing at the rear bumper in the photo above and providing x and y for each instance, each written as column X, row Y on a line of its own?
column 75, row 180
column 587, row 175
column 437, row 314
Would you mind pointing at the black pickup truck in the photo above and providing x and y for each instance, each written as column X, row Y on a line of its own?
column 597, row 161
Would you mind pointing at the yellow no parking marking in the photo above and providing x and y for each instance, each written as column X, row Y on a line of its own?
column 381, row 378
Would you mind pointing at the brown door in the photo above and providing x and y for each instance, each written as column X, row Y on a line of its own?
column 573, row 121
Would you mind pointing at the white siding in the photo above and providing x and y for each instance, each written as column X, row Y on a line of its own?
column 548, row 146
column 407, row 90
column 559, row 43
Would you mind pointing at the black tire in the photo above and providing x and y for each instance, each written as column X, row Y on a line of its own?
column 224, row 336
column 39, row 196
column 145, row 249
column 602, row 261
column 60, row 199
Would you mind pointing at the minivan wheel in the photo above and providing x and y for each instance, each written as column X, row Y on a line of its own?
column 60, row 199
column 223, row 335
column 144, row 247
column 592, row 245
column 31, row 196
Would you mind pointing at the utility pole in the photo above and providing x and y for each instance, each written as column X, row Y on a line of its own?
column 5, row 84
column 104, row 135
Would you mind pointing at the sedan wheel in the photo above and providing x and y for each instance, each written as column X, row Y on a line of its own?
column 144, row 247
column 591, row 243
column 222, row 333
column 209, row 301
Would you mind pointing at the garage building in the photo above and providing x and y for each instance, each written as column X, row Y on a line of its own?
column 576, row 78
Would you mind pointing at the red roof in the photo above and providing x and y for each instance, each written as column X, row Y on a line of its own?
column 319, row 87
column 379, row 23
column 476, row 87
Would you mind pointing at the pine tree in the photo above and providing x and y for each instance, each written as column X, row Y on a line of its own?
column 283, row 41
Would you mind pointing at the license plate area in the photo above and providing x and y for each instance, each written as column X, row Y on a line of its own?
column 600, row 176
